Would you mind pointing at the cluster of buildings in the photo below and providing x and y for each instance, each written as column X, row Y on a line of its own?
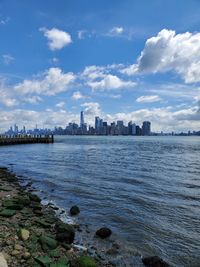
column 100, row 127
column 103, row 128
column 14, row 131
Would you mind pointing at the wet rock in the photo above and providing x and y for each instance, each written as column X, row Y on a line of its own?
column 38, row 212
column 103, row 232
column 35, row 205
column 7, row 213
column 3, row 262
column 34, row 198
column 154, row 261
column 24, row 234
column 48, row 242
column 112, row 251
column 64, row 232
column 74, row 210
column 86, row 261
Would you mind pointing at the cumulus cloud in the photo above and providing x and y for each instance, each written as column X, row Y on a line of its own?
column 57, row 39
column 100, row 78
column 148, row 99
column 110, row 82
column 51, row 82
column 7, row 59
column 169, row 51
column 77, row 96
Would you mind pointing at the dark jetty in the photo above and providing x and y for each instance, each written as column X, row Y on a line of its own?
column 17, row 140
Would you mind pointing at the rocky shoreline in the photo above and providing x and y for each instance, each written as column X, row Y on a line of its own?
column 31, row 234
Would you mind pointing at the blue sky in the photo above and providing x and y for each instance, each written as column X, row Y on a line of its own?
column 130, row 60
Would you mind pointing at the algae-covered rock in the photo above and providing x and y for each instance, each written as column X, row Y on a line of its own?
column 7, row 213
column 43, row 260
column 24, row 234
column 55, row 253
column 48, row 242
column 62, row 262
column 64, row 232
column 24, row 200
column 43, row 223
column 86, row 261
column 11, row 204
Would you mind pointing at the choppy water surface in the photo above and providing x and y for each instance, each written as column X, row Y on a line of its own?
column 146, row 189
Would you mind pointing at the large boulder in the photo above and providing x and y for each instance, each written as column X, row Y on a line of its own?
column 74, row 210
column 103, row 232
column 64, row 232
column 154, row 261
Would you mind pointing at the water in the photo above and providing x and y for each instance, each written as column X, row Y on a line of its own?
column 147, row 189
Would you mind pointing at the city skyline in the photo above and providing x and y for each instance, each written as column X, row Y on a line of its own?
column 100, row 127
column 120, row 60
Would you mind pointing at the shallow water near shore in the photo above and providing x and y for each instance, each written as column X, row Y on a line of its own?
column 146, row 189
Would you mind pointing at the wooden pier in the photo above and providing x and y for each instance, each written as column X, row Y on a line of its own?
column 17, row 140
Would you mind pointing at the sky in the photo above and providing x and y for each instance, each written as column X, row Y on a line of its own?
column 131, row 60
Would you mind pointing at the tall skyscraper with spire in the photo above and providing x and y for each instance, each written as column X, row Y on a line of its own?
column 82, row 119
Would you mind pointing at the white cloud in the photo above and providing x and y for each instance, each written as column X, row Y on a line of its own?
column 60, row 104
column 115, row 31
column 100, row 78
column 52, row 82
column 33, row 99
column 7, row 59
column 110, row 82
column 92, row 108
column 148, row 99
column 169, row 51
column 77, row 95
column 57, row 39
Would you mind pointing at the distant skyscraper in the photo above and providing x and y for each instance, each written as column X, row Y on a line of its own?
column 146, row 128
column 82, row 119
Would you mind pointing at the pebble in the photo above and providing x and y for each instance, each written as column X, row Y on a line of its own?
column 18, row 247
column 24, row 234
column 26, row 255
column 15, row 252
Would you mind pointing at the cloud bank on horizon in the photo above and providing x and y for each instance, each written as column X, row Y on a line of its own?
column 110, row 70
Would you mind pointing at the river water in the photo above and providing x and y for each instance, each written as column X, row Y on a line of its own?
column 146, row 189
